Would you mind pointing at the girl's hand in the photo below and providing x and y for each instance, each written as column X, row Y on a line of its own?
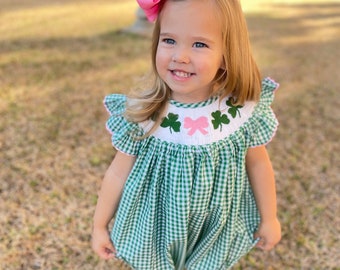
column 102, row 245
column 269, row 233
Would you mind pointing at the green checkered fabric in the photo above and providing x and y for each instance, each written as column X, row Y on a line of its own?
column 188, row 206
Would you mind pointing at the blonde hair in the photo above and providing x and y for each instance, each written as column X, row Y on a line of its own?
column 240, row 78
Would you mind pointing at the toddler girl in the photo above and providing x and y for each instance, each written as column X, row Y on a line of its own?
column 192, row 183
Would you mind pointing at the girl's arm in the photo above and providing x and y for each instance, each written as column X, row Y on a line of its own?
column 261, row 177
column 108, row 200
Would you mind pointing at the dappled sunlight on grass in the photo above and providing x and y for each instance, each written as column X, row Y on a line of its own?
column 68, row 19
column 71, row 62
column 265, row 5
column 320, row 22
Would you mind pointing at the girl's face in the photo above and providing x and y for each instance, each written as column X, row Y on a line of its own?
column 189, row 52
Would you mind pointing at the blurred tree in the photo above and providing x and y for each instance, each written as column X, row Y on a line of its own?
column 141, row 26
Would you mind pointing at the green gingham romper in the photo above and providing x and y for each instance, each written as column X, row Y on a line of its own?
column 187, row 203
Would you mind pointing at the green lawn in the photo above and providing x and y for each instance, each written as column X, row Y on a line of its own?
column 59, row 58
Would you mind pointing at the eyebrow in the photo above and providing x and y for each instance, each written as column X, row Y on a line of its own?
column 165, row 34
column 199, row 38
column 204, row 39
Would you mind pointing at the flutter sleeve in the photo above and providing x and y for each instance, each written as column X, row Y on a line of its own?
column 123, row 132
column 264, row 123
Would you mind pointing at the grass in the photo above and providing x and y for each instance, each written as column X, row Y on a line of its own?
column 58, row 59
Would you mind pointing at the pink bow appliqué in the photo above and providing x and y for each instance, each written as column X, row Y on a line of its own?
column 199, row 124
column 150, row 7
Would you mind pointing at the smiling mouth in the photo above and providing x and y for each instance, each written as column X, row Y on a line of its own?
column 181, row 74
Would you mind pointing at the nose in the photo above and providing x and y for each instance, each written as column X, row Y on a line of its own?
column 181, row 55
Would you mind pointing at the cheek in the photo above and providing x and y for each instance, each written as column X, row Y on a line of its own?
column 218, row 64
column 207, row 67
column 161, row 62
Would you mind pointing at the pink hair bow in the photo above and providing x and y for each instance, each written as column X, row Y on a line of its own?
column 150, row 7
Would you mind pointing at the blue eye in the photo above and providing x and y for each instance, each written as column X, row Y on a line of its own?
column 169, row 41
column 200, row 45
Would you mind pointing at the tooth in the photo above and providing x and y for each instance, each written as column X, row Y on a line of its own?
column 182, row 74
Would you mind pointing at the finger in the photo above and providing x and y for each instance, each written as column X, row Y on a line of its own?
column 257, row 237
column 265, row 246
column 261, row 243
column 110, row 249
column 110, row 246
column 107, row 253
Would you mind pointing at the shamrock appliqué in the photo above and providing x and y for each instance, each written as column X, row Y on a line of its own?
column 233, row 110
column 172, row 122
column 219, row 119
